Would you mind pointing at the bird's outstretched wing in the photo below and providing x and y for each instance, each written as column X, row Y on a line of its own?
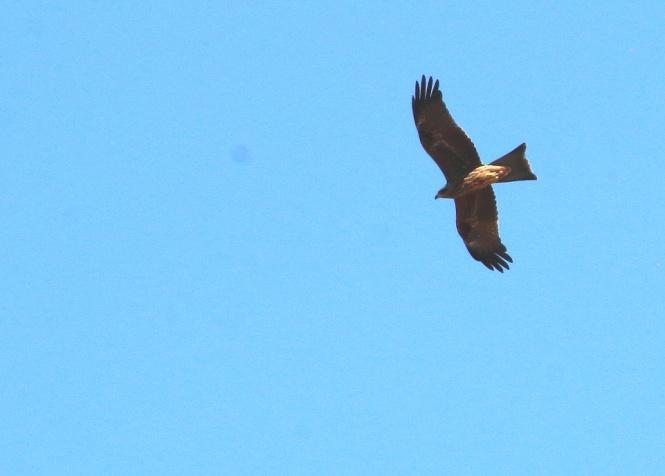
column 442, row 138
column 478, row 225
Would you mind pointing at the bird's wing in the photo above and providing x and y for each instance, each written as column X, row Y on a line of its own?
column 478, row 225
column 442, row 138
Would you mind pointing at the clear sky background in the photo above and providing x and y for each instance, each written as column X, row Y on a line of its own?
column 221, row 253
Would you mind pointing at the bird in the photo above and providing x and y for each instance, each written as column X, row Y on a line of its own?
column 468, row 181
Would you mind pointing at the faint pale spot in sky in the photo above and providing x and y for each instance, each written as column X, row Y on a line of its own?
column 631, row 50
column 240, row 154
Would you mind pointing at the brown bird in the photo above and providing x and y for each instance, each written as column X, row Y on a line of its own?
column 468, row 181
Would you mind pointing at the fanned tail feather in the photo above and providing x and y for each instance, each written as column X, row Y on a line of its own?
column 519, row 166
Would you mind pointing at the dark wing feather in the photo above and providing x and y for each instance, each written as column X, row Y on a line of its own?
column 478, row 225
column 442, row 138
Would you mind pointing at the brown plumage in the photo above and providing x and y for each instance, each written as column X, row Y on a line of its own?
column 468, row 181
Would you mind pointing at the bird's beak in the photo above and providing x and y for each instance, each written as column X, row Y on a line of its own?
column 436, row 196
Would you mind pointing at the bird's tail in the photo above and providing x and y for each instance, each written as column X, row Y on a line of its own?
column 519, row 166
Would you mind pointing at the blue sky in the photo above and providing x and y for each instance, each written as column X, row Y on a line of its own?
column 221, row 255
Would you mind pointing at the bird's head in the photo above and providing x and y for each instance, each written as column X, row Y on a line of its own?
column 443, row 193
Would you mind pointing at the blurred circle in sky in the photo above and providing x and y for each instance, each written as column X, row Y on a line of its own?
column 240, row 154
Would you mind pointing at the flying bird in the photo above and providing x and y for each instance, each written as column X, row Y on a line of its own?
column 468, row 181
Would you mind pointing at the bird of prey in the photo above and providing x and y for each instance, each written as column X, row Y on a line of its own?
column 468, row 182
